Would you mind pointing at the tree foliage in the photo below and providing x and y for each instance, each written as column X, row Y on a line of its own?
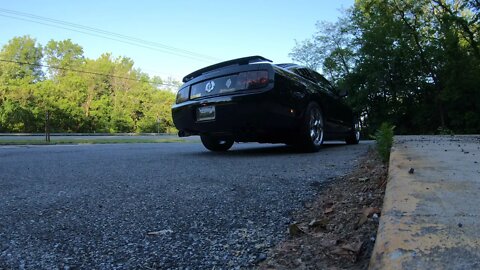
column 413, row 63
column 81, row 95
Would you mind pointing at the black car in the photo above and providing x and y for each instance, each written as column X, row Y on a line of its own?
column 252, row 100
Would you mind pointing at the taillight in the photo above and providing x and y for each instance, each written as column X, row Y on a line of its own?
column 241, row 81
column 182, row 95
column 257, row 79
column 252, row 79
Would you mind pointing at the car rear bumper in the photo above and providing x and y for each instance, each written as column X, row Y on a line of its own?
column 245, row 117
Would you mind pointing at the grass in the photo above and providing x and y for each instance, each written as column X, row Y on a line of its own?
column 86, row 141
column 384, row 141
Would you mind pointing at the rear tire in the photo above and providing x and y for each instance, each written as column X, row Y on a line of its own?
column 354, row 136
column 312, row 130
column 216, row 144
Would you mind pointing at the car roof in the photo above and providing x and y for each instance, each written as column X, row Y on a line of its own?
column 289, row 66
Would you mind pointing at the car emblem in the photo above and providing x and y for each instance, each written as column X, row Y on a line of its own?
column 228, row 83
column 209, row 87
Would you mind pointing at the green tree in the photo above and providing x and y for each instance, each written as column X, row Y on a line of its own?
column 62, row 56
column 413, row 63
column 20, row 59
column 63, row 95
column 330, row 49
column 19, row 69
column 106, row 94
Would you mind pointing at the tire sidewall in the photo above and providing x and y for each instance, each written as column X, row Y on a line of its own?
column 216, row 144
column 354, row 136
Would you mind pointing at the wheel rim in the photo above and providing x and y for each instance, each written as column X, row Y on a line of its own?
column 316, row 126
column 222, row 142
column 357, row 131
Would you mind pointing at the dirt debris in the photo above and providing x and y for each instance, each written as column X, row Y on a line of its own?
column 338, row 229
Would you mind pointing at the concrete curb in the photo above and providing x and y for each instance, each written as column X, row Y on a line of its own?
column 431, row 215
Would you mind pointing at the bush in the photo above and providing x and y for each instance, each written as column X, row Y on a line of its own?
column 384, row 140
column 444, row 131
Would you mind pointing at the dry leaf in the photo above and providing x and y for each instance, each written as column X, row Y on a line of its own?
column 340, row 251
column 366, row 213
column 318, row 235
column 322, row 223
column 348, row 249
column 371, row 210
column 363, row 179
column 353, row 247
column 295, row 230
column 328, row 210
column 162, row 232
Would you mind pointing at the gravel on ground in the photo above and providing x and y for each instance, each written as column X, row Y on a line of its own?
column 336, row 230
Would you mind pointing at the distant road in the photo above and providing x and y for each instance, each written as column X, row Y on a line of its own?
column 154, row 206
column 63, row 136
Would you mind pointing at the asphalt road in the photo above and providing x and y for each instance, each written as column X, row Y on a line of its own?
column 161, row 206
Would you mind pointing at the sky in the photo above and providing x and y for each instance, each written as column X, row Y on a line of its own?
column 171, row 38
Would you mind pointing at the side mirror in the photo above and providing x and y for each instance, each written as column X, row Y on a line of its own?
column 343, row 93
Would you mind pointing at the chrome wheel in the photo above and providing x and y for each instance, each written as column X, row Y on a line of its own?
column 311, row 133
column 316, row 126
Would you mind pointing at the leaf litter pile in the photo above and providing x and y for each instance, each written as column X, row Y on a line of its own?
column 338, row 229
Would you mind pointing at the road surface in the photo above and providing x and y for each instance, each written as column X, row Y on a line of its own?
column 167, row 206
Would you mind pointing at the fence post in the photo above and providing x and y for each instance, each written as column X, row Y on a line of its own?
column 47, row 128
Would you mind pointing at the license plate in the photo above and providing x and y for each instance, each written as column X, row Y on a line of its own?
column 206, row 113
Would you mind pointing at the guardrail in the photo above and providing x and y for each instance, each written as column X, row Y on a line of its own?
column 89, row 134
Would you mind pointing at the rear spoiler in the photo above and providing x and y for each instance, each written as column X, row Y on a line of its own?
column 239, row 61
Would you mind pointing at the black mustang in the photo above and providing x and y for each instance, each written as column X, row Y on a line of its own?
column 252, row 100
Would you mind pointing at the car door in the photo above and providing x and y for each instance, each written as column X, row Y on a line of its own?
column 330, row 102
column 343, row 113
